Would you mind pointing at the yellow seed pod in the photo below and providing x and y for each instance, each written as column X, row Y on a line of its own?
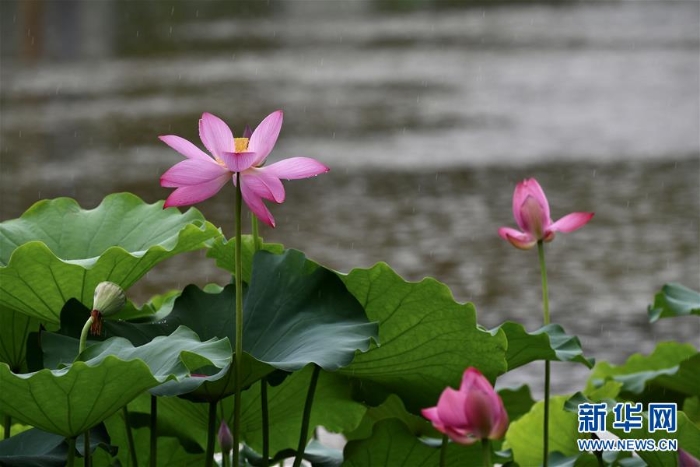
column 109, row 298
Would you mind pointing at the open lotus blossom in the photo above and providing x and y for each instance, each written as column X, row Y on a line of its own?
column 201, row 176
column 473, row 413
column 531, row 211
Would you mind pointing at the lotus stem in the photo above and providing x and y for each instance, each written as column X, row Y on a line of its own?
column 211, row 434
column 130, row 438
column 265, row 424
column 83, row 335
column 154, row 431
column 7, row 426
column 263, row 382
column 486, row 452
column 70, row 457
column 304, row 433
column 257, row 244
column 86, row 448
column 443, row 451
column 239, row 324
column 545, row 308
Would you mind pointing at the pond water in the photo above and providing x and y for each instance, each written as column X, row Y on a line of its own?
column 428, row 114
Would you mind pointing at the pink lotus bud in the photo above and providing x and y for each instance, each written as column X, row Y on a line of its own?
column 531, row 212
column 473, row 413
column 686, row 460
column 225, row 438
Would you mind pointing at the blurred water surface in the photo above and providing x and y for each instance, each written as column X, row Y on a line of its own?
column 428, row 114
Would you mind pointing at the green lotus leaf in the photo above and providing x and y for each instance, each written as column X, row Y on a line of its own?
column 43, row 449
column 427, row 339
column 178, row 354
column 14, row 331
column 69, row 400
column 59, row 348
column 517, row 401
column 295, row 313
column 57, row 250
column 524, row 436
column 391, row 439
column 674, row 300
column 212, row 362
column 547, row 343
column 672, row 366
column 34, row 448
column 393, row 407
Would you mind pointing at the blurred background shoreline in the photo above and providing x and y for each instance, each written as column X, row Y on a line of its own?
column 427, row 112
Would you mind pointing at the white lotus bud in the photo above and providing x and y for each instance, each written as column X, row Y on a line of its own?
column 109, row 298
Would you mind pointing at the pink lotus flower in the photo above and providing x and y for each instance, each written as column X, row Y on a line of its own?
column 225, row 438
column 531, row 211
column 686, row 460
column 473, row 413
column 200, row 176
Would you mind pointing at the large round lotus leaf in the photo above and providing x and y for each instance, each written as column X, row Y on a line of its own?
column 427, row 339
column 57, row 250
column 68, row 401
column 295, row 312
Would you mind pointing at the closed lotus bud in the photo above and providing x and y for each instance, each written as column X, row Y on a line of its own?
column 473, row 413
column 686, row 460
column 225, row 438
column 109, row 299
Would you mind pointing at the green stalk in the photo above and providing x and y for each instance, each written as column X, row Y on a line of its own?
column 154, row 431
column 70, row 457
column 443, row 451
column 130, row 438
column 86, row 448
column 7, row 426
column 265, row 424
column 239, row 325
column 83, row 335
column 81, row 348
column 543, row 273
column 209, row 456
column 304, row 433
column 545, row 308
column 486, row 452
column 226, row 459
column 257, row 244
